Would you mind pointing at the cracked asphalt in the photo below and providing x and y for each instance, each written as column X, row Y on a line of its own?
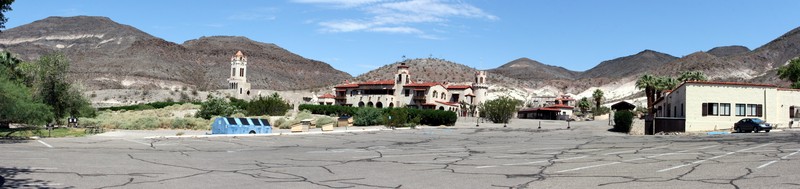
column 522, row 156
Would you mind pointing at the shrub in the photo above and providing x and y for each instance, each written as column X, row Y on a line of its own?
column 289, row 123
column 424, row 117
column 499, row 110
column 144, row 123
column 279, row 122
column 272, row 105
column 367, row 116
column 179, row 123
column 600, row 111
column 396, row 117
column 324, row 121
column 215, row 107
column 623, row 120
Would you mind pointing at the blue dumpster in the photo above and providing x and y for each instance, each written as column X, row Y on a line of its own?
column 234, row 125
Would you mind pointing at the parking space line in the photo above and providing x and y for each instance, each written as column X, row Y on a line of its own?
column 636, row 159
column 528, row 163
column 142, row 143
column 45, row 144
column 774, row 161
column 711, row 158
column 626, row 151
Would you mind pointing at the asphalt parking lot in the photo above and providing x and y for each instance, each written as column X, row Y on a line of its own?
column 490, row 156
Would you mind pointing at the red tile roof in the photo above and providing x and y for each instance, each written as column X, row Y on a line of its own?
column 381, row 82
column 539, row 109
column 458, row 87
column 560, row 106
column 327, row 95
column 448, row 103
column 349, row 85
column 423, row 84
column 788, row 89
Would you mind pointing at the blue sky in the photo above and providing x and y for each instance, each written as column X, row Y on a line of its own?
column 356, row 36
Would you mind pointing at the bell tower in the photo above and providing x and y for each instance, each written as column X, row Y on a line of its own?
column 480, row 88
column 238, row 79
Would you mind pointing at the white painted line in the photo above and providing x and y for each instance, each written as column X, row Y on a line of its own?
column 579, row 168
column 767, row 164
column 532, row 162
column 630, row 160
column 774, row 161
column 628, row 151
column 142, row 143
column 45, row 144
column 43, row 168
column 715, row 157
column 793, row 153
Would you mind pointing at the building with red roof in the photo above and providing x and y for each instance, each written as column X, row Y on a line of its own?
column 403, row 92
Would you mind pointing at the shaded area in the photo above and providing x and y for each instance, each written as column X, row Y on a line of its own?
column 9, row 179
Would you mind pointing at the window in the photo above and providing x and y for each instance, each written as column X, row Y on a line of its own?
column 399, row 78
column 725, row 109
column 741, row 109
column 435, row 94
column 353, row 92
column 406, row 92
column 241, row 72
column 231, row 121
column 233, row 72
column 683, row 110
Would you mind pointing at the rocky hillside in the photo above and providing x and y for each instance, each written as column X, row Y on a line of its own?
column 629, row 66
column 728, row 51
column 436, row 70
column 109, row 55
column 527, row 69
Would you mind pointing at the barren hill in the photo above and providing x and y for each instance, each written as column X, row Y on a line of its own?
column 436, row 70
column 629, row 66
column 527, row 69
column 106, row 55
column 728, row 50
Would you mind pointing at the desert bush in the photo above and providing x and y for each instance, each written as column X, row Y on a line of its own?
column 499, row 110
column 600, row 111
column 215, row 107
column 368, row 116
column 324, row 120
column 279, row 122
column 425, row 117
column 272, row 105
column 623, row 120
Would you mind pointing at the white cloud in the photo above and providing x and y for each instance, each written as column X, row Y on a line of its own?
column 398, row 16
column 339, row 3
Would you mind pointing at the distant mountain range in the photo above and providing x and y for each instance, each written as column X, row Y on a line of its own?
column 107, row 55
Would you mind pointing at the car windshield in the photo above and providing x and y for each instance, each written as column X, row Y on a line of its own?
column 756, row 120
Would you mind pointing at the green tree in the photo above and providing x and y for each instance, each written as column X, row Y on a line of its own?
column 584, row 105
column 272, row 105
column 791, row 72
column 500, row 110
column 623, row 120
column 5, row 6
column 692, row 76
column 598, row 97
column 215, row 107
column 663, row 84
column 52, row 88
column 10, row 67
column 648, row 83
column 368, row 116
column 17, row 105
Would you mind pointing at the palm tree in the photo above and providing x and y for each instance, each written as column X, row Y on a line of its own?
column 598, row 98
column 584, row 104
column 663, row 84
column 692, row 76
column 648, row 83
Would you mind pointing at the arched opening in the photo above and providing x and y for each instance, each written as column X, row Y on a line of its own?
column 391, row 105
column 379, row 105
column 360, row 104
column 248, row 93
column 369, row 104
column 441, row 108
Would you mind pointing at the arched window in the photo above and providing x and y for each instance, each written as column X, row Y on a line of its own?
column 360, row 104
column 435, row 94
column 481, row 80
column 369, row 104
column 379, row 105
column 391, row 105
column 399, row 78
column 441, row 108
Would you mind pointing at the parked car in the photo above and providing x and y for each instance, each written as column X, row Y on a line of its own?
column 747, row 125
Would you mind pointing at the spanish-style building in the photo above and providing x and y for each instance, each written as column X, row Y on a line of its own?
column 560, row 108
column 402, row 92
column 707, row 106
column 238, row 79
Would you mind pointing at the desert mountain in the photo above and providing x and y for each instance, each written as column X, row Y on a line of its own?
column 728, row 50
column 629, row 65
column 106, row 54
column 527, row 69
column 435, row 70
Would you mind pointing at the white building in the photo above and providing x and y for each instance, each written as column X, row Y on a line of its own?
column 402, row 92
column 238, row 79
column 707, row 106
